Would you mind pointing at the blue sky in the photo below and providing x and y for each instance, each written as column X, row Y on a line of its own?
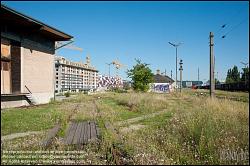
column 128, row 30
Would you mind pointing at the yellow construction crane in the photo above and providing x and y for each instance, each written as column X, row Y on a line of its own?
column 118, row 65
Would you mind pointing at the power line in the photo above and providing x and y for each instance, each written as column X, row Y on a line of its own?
column 219, row 39
column 228, row 22
column 234, row 28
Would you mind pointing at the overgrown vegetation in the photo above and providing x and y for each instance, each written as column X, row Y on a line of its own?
column 186, row 128
column 66, row 94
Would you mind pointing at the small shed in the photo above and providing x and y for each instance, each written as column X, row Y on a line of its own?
column 161, row 83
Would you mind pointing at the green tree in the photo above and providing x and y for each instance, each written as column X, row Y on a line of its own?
column 141, row 76
column 245, row 74
column 229, row 77
column 233, row 75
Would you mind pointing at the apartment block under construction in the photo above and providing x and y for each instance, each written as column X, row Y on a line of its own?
column 74, row 76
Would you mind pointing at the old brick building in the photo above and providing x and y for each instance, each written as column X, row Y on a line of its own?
column 27, row 59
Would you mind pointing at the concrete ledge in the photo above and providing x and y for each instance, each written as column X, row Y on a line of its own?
column 9, row 101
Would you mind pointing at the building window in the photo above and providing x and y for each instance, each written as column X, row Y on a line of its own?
column 5, row 66
column 56, row 77
column 56, row 73
column 57, row 82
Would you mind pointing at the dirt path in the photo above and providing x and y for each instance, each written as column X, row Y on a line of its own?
column 18, row 135
column 132, row 120
column 131, row 128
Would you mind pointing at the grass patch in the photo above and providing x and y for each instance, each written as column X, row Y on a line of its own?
column 157, row 120
column 120, row 112
column 124, row 115
column 18, row 120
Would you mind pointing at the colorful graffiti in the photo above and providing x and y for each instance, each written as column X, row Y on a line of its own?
column 109, row 82
column 161, row 87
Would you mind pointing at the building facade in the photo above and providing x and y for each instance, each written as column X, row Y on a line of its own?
column 27, row 59
column 74, row 76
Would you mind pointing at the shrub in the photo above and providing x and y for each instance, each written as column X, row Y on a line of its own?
column 67, row 94
column 141, row 76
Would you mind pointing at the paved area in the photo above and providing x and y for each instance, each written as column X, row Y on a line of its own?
column 18, row 135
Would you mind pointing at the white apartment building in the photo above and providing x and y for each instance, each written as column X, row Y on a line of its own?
column 74, row 76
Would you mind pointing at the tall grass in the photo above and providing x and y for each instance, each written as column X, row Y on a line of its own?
column 198, row 135
column 193, row 130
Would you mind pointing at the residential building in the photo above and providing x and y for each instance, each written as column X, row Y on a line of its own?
column 27, row 59
column 161, row 83
column 74, row 76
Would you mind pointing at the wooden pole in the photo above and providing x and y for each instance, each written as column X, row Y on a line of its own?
column 211, row 45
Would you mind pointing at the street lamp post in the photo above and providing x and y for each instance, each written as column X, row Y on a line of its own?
column 176, row 46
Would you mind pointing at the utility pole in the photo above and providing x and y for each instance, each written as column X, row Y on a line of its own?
column 176, row 46
column 211, row 46
column 171, row 74
column 180, row 73
column 176, row 67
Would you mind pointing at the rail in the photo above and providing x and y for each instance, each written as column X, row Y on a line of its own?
column 240, row 86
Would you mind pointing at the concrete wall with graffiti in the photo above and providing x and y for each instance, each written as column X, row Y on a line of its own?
column 109, row 82
column 161, row 87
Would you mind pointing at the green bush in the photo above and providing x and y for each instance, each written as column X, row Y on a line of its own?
column 141, row 76
column 67, row 94
column 118, row 90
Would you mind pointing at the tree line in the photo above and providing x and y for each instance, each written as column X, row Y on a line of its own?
column 233, row 75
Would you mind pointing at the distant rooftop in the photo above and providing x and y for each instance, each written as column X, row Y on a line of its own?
column 64, row 61
column 162, row 79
